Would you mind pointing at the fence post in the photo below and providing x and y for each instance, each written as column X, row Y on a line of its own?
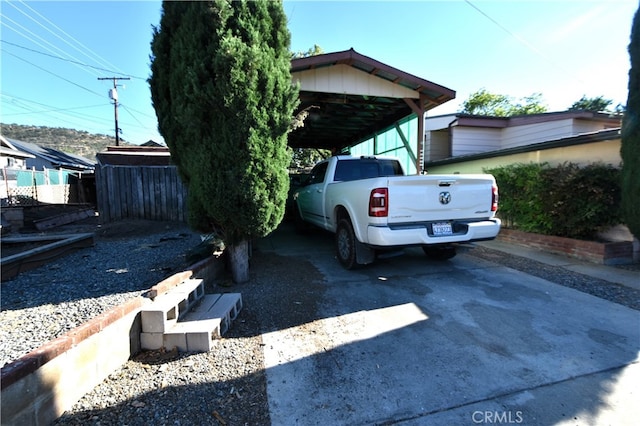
column 35, row 185
column 6, row 183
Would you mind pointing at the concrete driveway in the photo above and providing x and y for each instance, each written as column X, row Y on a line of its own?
column 413, row 341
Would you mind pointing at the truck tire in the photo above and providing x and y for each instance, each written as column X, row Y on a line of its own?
column 439, row 253
column 346, row 244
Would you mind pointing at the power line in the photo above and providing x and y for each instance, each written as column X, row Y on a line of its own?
column 520, row 39
column 54, row 74
column 12, row 98
column 53, row 109
column 50, row 40
column 57, row 117
column 69, row 60
column 95, row 55
column 4, row 23
column 134, row 117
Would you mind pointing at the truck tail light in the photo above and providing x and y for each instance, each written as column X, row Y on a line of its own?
column 494, row 198
column 379, row 202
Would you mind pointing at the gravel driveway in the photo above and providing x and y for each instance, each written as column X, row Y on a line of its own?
column 224, row 386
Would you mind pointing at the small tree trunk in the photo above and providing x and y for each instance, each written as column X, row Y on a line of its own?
column 239, row 261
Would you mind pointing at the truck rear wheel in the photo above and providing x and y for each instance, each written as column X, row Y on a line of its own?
column 439, row 253
column 346, row 244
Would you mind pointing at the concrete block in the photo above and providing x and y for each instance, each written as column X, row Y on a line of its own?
column 176, row 340
column 202, row 311
column 227, row 308
column 198, row 334
column 209, row 318
column 151, row 341
column 189, row 292
column 224, row 306
column 160, row 316
column 182, row 297
column 199, row 342
column 190, row 285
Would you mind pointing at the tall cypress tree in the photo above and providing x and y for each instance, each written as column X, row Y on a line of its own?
column 222, row 91
column 630, row 149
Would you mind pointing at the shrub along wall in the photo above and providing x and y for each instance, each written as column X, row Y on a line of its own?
column 566, row 200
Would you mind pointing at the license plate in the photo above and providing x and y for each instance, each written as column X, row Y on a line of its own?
column 442, row 228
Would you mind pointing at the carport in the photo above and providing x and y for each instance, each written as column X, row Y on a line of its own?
column 351, row 98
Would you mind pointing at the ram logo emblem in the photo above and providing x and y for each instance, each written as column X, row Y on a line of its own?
column 445, row 197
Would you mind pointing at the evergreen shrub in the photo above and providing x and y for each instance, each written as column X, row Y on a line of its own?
column 566, row 200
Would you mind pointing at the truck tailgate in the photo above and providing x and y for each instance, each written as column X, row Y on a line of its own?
column 439, row 198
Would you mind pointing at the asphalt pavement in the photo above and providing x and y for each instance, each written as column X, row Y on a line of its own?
column 413, row 341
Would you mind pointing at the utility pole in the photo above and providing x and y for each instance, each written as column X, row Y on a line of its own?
column 113, row 94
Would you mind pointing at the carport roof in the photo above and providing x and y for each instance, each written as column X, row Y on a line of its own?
column 350, row 97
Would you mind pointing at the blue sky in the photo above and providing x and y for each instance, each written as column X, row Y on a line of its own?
column 52, row 53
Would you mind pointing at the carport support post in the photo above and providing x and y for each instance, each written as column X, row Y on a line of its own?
column 419, row 110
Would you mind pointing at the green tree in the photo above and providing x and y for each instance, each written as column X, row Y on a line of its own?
column 484, row 102
column 221, row 87
column 304, row 158
column 630, row 148
column 313, row 51
column 597, row 104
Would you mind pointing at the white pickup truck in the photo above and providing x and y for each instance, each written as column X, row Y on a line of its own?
column 371, row 206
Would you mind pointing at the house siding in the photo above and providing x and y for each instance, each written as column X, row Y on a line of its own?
column 607, row 152
column 474, row 140
column 584, row 126
column 437, row 145
column 527, row 134
column 468, row 135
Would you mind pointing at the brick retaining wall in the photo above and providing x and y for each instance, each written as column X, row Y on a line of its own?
column 606, row 253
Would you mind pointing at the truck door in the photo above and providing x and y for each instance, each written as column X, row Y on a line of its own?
column 311, row 197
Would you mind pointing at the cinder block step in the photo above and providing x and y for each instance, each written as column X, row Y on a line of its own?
column 194, row 332
column 193, row 336
column 159, row 316
column 167, row 308
column 224, row 306
column 188, row 293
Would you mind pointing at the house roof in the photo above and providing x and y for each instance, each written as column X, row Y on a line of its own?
column 350, row 97
column 585, row 138
column 55, row 157
column 135, row 156
column 152, row 143
column 470, row 120
column 7, row 149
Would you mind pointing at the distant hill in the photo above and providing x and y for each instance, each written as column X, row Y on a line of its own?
column 70, row 141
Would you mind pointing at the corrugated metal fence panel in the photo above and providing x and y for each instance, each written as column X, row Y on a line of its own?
column 390, row 142
column 140, row 192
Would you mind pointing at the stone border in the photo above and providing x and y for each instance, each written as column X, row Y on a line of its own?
column 604, row 253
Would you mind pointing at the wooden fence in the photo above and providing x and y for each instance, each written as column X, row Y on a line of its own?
column 140, row 192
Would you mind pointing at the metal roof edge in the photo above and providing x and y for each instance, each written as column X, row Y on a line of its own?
column 350, row 55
